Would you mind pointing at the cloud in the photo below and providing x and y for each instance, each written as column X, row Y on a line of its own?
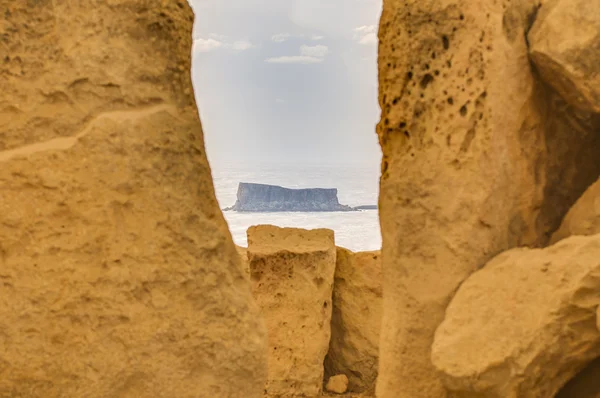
column 242, row 45
column 217, row 36
column 280, row 101
column 365, row 29
column 206, row 45
column 280, row 37
column 314, row 51
column 317, row 37
column 366, row 34
column 369, row 38
column 216, row 41
column 308, row 55
column 294, row 59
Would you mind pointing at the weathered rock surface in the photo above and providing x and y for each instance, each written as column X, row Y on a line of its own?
column 356, row 319
column 292, row 273
column 118, row 274
column 525, row 324
column 337, row 384
column 584, row 216
column 565, row 47
column 243, row 253
column 478, row 157
column 272, row 198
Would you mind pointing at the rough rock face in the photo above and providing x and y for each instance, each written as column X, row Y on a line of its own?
column 292, row 274
column 119, row 277
column 584, row 216
column 243, row 253
column 266, row 198
column 479, row 156
column 565, row 47
column 356, row 319
column 525, row 324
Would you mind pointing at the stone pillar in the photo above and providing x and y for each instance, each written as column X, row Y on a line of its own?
column 477, row 158
column 118, row 275
column 292, row 274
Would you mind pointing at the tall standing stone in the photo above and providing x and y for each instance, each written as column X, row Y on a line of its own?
column 478, row 156
column 118, row 276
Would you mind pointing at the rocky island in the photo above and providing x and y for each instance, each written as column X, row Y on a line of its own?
column 272, row 198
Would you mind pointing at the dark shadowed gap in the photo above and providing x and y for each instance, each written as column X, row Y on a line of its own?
column 586, row 384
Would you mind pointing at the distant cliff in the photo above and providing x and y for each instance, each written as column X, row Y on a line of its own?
column 272, row 198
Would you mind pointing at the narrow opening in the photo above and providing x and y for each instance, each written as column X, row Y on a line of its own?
column 288, row 98
column 287, row 93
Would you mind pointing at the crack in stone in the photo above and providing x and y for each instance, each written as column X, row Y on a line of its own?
column 64, row 143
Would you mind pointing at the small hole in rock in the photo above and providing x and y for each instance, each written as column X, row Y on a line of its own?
column 426, row 80
column 446, row 42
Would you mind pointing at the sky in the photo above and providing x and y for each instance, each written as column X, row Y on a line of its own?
column 287, row 81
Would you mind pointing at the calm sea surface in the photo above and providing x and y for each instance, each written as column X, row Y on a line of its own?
column 357, row 185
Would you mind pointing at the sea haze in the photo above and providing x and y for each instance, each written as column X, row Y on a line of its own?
column 356, row 185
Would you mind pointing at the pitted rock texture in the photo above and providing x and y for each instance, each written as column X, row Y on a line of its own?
column 584, row 216
column 525, row 324
column 356, row 319
column 479, row 156
column 565, row 47
column 292, row 273
column 119, row 277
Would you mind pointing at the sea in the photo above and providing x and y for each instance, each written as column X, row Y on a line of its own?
column 356, row 184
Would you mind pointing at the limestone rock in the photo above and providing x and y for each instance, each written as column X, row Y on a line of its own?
column 356, row 319
column 523, row 325
column 565, row 47
column 337, row 384
column 119, row 276
column 292, row 272
column 479, row 156
column 243, row 253
column 584, row 216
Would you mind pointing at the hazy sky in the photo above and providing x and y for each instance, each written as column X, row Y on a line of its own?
column 287, row 80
